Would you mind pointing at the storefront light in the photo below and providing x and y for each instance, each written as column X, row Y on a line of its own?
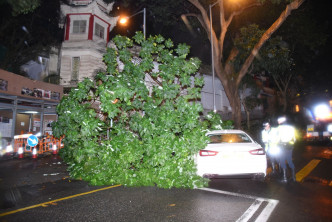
column 9, row 149
column 20, row 150
column 30, row 112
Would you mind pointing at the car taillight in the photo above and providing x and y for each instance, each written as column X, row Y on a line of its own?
column 260, row 151
column 207, row 153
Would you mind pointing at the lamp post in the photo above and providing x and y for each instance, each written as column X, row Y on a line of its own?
column 212, row 59
column 125, row 19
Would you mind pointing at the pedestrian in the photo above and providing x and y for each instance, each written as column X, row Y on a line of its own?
column 269, row 139
column 286, row 140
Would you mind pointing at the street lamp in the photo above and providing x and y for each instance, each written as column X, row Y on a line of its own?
column 212, row 59
column 125, row 19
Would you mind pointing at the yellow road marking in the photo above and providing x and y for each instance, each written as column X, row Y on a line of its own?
column 306, row 170
column 57, row 200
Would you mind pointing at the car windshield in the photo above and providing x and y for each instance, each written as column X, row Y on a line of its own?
column 229, row 138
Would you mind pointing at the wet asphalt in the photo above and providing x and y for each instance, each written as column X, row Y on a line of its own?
column 44, row 185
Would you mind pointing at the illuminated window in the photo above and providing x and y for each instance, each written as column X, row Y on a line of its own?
column 75, row 68
column 297, row 108
column 79, row 26
column 99, row 30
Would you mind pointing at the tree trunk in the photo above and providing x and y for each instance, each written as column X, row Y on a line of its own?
column 224, row 68
column 235, row 103
column 248, row 120
column 236, row 113
column 284, row 101
column 247, row 115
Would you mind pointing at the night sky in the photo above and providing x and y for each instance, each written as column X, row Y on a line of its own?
column 321, row 68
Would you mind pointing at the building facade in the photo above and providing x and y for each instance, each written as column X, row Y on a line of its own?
column 26, row 106
column 87, row 25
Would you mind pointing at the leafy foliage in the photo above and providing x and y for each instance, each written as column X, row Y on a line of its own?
column 249, row 97
column 23, row 6
column 138, row 124
column 214, row 122
column 245, row 42
column 275, row 57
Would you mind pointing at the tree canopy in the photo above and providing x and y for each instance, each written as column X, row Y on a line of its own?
column 138, row 123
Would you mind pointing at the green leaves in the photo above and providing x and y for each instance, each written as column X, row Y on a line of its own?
column 214, row 122
column 138, row 124
column 139, row 38
column 182, row 50
column 23, row 6
column 250, row 35
column 122, row 42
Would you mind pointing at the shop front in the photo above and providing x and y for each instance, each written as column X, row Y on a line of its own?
column 26, row 107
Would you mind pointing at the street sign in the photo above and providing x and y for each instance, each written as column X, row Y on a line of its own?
column 32, row 140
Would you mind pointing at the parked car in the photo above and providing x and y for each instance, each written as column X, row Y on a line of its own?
column 231, row 153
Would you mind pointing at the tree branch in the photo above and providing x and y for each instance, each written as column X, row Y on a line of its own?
column 268, row 33
column 199, row 18
column 238, row 12
column 205, row 21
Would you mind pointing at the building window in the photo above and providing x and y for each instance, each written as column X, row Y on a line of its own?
column 75, row 68
column 79, row 26
column 99, row 30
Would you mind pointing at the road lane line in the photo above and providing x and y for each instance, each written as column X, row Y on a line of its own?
column 263, row 216
column 266, row 213
column 231, row 193
column 250, row 211
column 306, row 170
column 57, row 200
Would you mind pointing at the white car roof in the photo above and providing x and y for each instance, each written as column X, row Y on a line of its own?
column 225, row 131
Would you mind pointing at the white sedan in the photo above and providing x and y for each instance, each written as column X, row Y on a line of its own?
column 231, row 153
